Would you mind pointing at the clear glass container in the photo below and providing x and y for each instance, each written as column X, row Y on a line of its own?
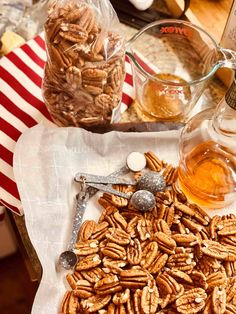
column 172, row 61
column 207, row 169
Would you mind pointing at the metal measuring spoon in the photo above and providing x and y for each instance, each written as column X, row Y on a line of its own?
column 142, row 200
column 111, row 179
column 68, row 259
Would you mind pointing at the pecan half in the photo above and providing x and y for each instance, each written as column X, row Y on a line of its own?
column 98, row 43
column 191, row 301
column 230, row 269
column 166, row 197
column 134, row 252
column 158, row 263
column 137, row 301
column 181, row 261
column 226, row 227
column 95, row 303
column 104, row 102
column 167, row 284
column 170, row 174
column 75, row 37
column 100, row 231
column 73, row 77
column 86, row 230
column 116, row 78
column 219, row 300
column 153, row 162
column 72, row 279
column 84, row 289
column 199, row 279
column 166, row 213
column 94, row 74
column 108, row 209
column 118, row 236
column 93, row 275
column 213, row 226
column 180, row 276
column 162, row 226
column 133, row 278
column 132, row 227
column 58, row 59
column 121, row 297
column 116, row 220
column 149, row 254
column 187, row 240
column 200, row 215
column 185, row 209
column 114, row 199
column 74, row 15
column 87, row 19
column 216, row 279
column 228, row 240
column 86, row 247
column 88, row 262
column 219, row 251
column 144, row 229
column 230, row 289
column 114, row 250
column 108, row 285
column 150, row 298
column 69, row 303
column 130, row 305
column 165, row 243
column 191, row 225
column 114, row 265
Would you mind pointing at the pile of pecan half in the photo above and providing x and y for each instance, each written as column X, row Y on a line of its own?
column 173, row 259
column 84, row 72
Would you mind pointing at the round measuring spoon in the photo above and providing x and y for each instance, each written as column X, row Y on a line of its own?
column 143, row 200
column 152, row 182
column 68, row 259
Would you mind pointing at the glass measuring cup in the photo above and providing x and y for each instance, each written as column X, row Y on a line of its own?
column 172, row 61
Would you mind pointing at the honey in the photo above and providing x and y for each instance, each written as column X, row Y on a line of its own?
column 207, row 175
column 165, row 102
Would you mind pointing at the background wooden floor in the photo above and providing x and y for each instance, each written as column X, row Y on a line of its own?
column 16, row 290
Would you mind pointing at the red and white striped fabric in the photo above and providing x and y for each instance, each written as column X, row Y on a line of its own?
column 22, row 107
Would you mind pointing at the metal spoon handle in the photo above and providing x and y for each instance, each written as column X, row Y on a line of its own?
column 81, row 202
column 90, row 178
column 108, row 189
column 122, row 171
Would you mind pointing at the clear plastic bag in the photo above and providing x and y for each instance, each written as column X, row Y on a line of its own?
column 84, row 72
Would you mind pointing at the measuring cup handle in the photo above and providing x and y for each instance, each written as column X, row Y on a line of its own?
column 227, row 58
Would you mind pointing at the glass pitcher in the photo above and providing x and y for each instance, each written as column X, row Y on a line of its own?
column 207, row 168
column 172, row 61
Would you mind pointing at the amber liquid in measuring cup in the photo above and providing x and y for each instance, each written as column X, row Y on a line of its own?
column 207, row 175
column 165, row 102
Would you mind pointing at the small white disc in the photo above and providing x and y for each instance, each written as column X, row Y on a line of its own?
column 136, row 161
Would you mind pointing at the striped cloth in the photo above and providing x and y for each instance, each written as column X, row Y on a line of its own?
column 22, row 107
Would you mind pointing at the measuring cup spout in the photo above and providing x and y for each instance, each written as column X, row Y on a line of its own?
column 227, row 58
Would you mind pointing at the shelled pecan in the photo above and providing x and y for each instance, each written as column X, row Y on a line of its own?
column 84, row 72
column 174, row 259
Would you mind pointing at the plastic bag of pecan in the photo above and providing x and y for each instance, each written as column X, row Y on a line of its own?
column 84, row 72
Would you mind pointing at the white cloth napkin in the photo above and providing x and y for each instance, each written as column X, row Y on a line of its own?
column 46, row 160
